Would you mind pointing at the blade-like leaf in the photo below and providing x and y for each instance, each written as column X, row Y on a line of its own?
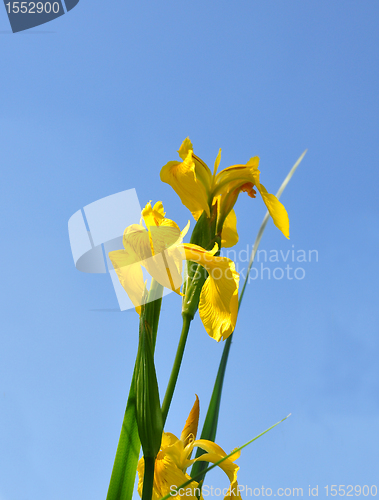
column 125, row 465
column 211, row 419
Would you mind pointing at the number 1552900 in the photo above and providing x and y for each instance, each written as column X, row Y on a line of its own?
column 32, row 7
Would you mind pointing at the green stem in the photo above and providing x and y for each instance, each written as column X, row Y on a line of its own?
column 148, row 478
column 176, row 367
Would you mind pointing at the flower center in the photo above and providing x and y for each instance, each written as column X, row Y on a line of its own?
column 249, row 189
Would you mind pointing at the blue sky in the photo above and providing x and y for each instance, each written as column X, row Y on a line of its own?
column 94, row 103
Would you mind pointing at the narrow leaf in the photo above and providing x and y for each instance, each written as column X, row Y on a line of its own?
column 125, row 465
column 211, row 420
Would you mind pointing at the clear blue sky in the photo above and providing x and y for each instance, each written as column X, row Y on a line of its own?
column 96, row 102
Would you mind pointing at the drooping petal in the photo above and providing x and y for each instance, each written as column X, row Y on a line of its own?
column 129, row 272
column 190, row 429
column 276, row 210
column 213, row 455
column 239, row 177
column 229, row 235
column 218, row 305
column 187, row 184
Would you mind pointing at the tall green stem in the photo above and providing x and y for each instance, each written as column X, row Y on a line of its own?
column 176, row 367
column 148, row 478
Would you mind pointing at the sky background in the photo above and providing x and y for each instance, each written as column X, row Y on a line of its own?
column 96, row 102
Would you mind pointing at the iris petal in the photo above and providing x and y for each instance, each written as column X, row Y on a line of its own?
column 276, row 210
column 129, row 272
column 229, row 235
column 190, row 428
column 182, row 177
column 218, row 306
column 236, row 176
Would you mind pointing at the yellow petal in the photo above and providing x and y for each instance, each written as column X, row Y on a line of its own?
column 164, row 237
column 210, row 447
column 217, row 162
column 182, row 177
column 153, row 216
column 168, row 439
column 237, row 175
column 166, row 268
column 190, row 429
column 166, row 265
column 167, row 476
column 218, row 305
column 185, row 148
column 201, row 168
column 136, row 239
column 227, row 465
column 129, row 272
column 229, row 235
column 213, row 455
column 276, row 210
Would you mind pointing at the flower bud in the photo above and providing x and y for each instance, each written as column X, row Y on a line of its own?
column 148, row 408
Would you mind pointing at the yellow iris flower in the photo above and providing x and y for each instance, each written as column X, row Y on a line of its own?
column 160, row 251
column 199, row 190
column 174, row 458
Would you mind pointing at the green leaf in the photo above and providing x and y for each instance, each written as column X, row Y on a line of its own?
column 124, row 471
column 125, row 465
column 211, row 420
